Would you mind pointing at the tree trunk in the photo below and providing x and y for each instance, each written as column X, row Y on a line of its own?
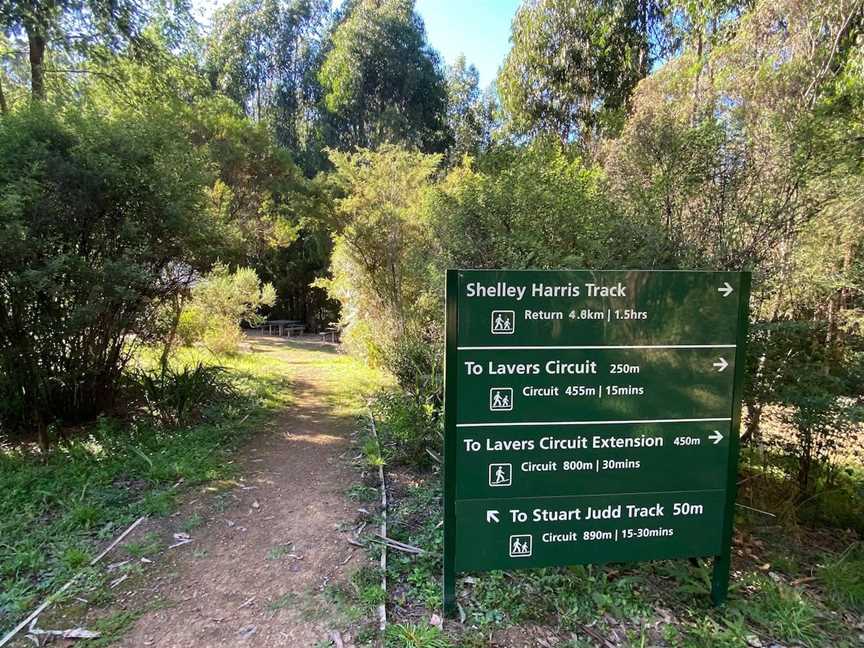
column 37, row 61
column 694, row 117
column 4, row 108
column 42, row 431
column 754, row 418
column 172, row 335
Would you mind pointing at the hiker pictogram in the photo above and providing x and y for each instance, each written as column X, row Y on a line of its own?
column 501, row 399
column 503, row 322
column 520, row 546
column 500, row 474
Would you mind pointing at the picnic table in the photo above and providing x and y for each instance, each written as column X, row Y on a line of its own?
column 283, row 327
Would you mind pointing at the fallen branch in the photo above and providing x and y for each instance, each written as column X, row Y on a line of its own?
column 384, row 543
column 596, row 636
column 755, row 510
column 400, row 545
column 73, row 633
column 39, row 610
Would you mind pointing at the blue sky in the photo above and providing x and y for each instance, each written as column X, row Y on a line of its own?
column 480, row 29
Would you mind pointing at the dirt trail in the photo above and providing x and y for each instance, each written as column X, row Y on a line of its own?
column 252, row 574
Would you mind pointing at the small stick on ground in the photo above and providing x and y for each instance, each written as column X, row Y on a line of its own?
column 596, row 636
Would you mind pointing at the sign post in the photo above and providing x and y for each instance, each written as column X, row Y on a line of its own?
column 591, row 417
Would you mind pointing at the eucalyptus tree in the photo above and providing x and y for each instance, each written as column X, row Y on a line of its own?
column 70, row 27
column 471, row 113
column 264, row 54
column 574, row 64
column 382, row 81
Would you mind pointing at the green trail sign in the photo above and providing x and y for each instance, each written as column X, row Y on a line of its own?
column 591, row 417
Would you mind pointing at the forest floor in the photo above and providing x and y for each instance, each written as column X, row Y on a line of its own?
column 259, row 557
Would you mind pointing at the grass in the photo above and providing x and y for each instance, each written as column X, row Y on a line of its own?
column 57, row 510
column 843, row 578
column 413, row 635
column 286, row 600
column 148, row 545
column 280, row 551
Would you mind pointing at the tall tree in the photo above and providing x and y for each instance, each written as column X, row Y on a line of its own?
column 264, row 54
column 382, row 81
column 471, row 113
column 574, row 64
column 70, row 26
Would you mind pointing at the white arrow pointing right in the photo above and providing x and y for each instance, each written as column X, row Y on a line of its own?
column 726, row 289
column 716, row 437
column 721, row 364
column 492, row 516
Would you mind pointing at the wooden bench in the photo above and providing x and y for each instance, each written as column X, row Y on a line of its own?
column 333, row 331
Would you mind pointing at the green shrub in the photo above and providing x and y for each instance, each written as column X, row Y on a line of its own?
column 191, row 326
column 785, row 613
column 221, row 302
column 222, row 337
column 177, row 397
column 96, row 213
column 406, row 428
column 410, row 635
column 416, row 361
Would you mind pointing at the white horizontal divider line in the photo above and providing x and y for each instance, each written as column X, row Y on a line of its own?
column 604, row 346
column 529, row 423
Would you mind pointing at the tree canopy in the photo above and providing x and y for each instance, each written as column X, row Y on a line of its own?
column 382, row 82
column 574, row 64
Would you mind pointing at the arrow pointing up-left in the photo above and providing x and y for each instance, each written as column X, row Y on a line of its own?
column 492, row 516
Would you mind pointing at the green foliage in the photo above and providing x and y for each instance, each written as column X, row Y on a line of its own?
column 265, row 55
column 44, row 26
column 407, row 427
column 471, row 114
column 574, row 595
column 382, row 247
column 843, row 578
column 574, row 63
column 790, row 365
column 221, row 301
column 97, row 214
column 787, row 614
column 381, row 80
column 176, row 397
column 534, row 207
